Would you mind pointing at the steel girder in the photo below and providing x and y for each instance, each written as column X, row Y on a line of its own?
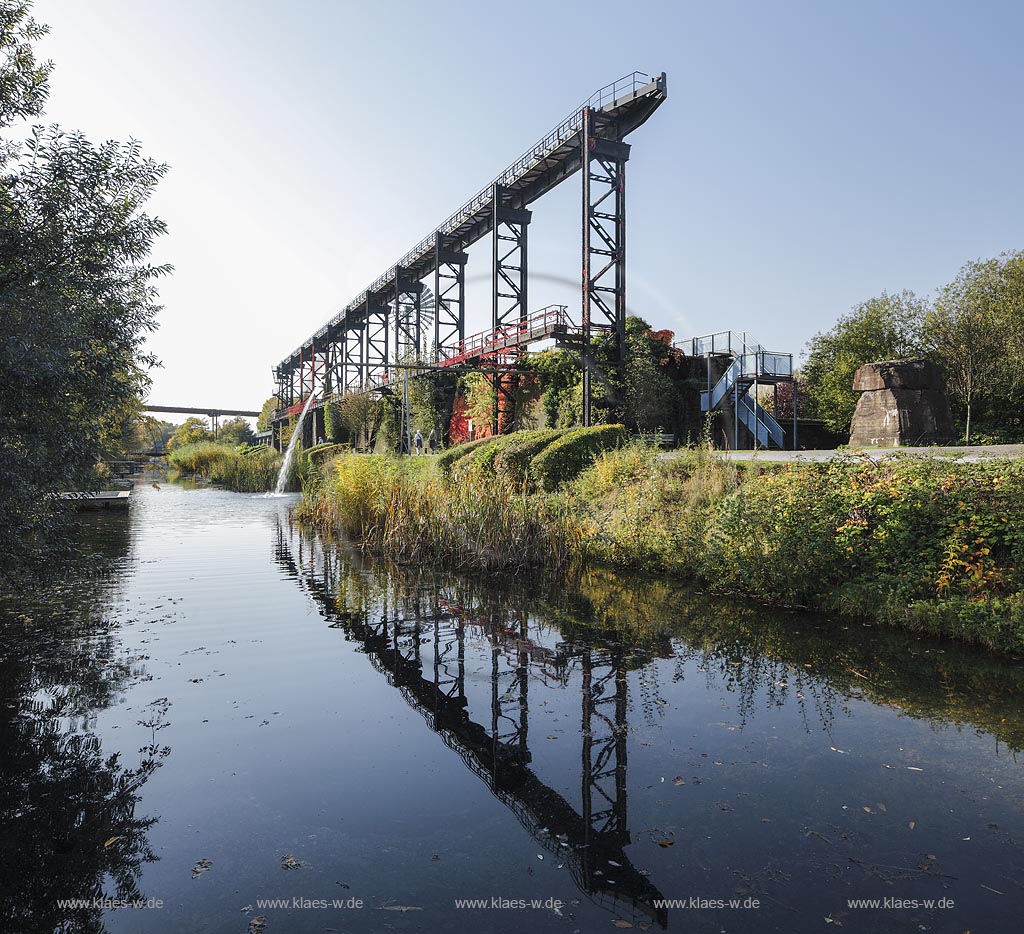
column 604, row 250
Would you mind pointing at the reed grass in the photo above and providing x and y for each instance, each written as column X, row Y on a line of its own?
column 245, row 469
column 419, row 516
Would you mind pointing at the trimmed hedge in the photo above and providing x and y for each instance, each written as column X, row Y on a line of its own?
column 568, row 456
column 513, row 460
column 446, row 459
column 485, row 460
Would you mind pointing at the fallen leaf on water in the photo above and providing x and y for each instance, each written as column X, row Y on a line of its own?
column 619, row 923
column 766, row 820
column 911, row 824
column 882, row 808
column 678, row 780
column 833, row 748
column 290, row 862
column 200, row 867
column 112, row 841
column 914, row 768
column 400, row 908
column 666, row 843
column 869, row 811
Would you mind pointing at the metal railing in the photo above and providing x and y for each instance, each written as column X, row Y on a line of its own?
column 541, row 324
column 753, row 360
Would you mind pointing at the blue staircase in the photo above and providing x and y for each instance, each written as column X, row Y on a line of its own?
column 749, row 364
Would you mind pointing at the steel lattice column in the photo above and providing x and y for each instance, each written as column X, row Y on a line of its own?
column 509, row 294
column 449, row 296
column 353, row 364
column 408, row 343
column 604, row 250
column 509, row 282
column 375, row 348
column 333, row 358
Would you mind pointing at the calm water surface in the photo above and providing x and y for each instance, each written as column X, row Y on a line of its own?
column 236, row 712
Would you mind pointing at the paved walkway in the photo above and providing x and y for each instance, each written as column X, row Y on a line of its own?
column 969, row 454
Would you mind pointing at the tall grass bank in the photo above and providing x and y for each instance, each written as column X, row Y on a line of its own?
column 922, row 543
column 244, row 469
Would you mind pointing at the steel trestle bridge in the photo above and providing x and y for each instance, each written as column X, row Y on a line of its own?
column 391, row 325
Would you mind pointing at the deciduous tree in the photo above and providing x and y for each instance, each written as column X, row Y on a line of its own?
column 889, row 327
column 77, row 296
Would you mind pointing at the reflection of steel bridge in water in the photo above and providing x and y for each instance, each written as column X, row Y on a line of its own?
column 422, row 646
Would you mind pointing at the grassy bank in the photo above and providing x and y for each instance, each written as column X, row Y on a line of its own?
column 245, row 469
column 916, row 542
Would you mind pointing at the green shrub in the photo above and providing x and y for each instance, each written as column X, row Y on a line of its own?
column 455, row 453
column 568, row 456
column 202, row 457
column 913, row 541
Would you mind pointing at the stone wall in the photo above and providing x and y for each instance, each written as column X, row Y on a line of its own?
column 903, row 402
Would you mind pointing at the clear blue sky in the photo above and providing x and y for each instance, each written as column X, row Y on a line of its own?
column 810, row 155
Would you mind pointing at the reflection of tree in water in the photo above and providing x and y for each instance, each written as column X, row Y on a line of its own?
column 68, row 828
column 766, row 657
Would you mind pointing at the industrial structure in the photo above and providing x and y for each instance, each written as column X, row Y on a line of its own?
column 400, row 326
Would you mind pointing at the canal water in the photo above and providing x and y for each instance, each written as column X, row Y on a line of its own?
column 242, row 727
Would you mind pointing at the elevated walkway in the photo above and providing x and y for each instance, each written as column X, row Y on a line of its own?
column 627, row 102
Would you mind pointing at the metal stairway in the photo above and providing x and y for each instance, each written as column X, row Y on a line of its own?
column 749, row 366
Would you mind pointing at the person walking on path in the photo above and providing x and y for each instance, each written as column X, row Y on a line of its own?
column 418, row 441
column 432, row 440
